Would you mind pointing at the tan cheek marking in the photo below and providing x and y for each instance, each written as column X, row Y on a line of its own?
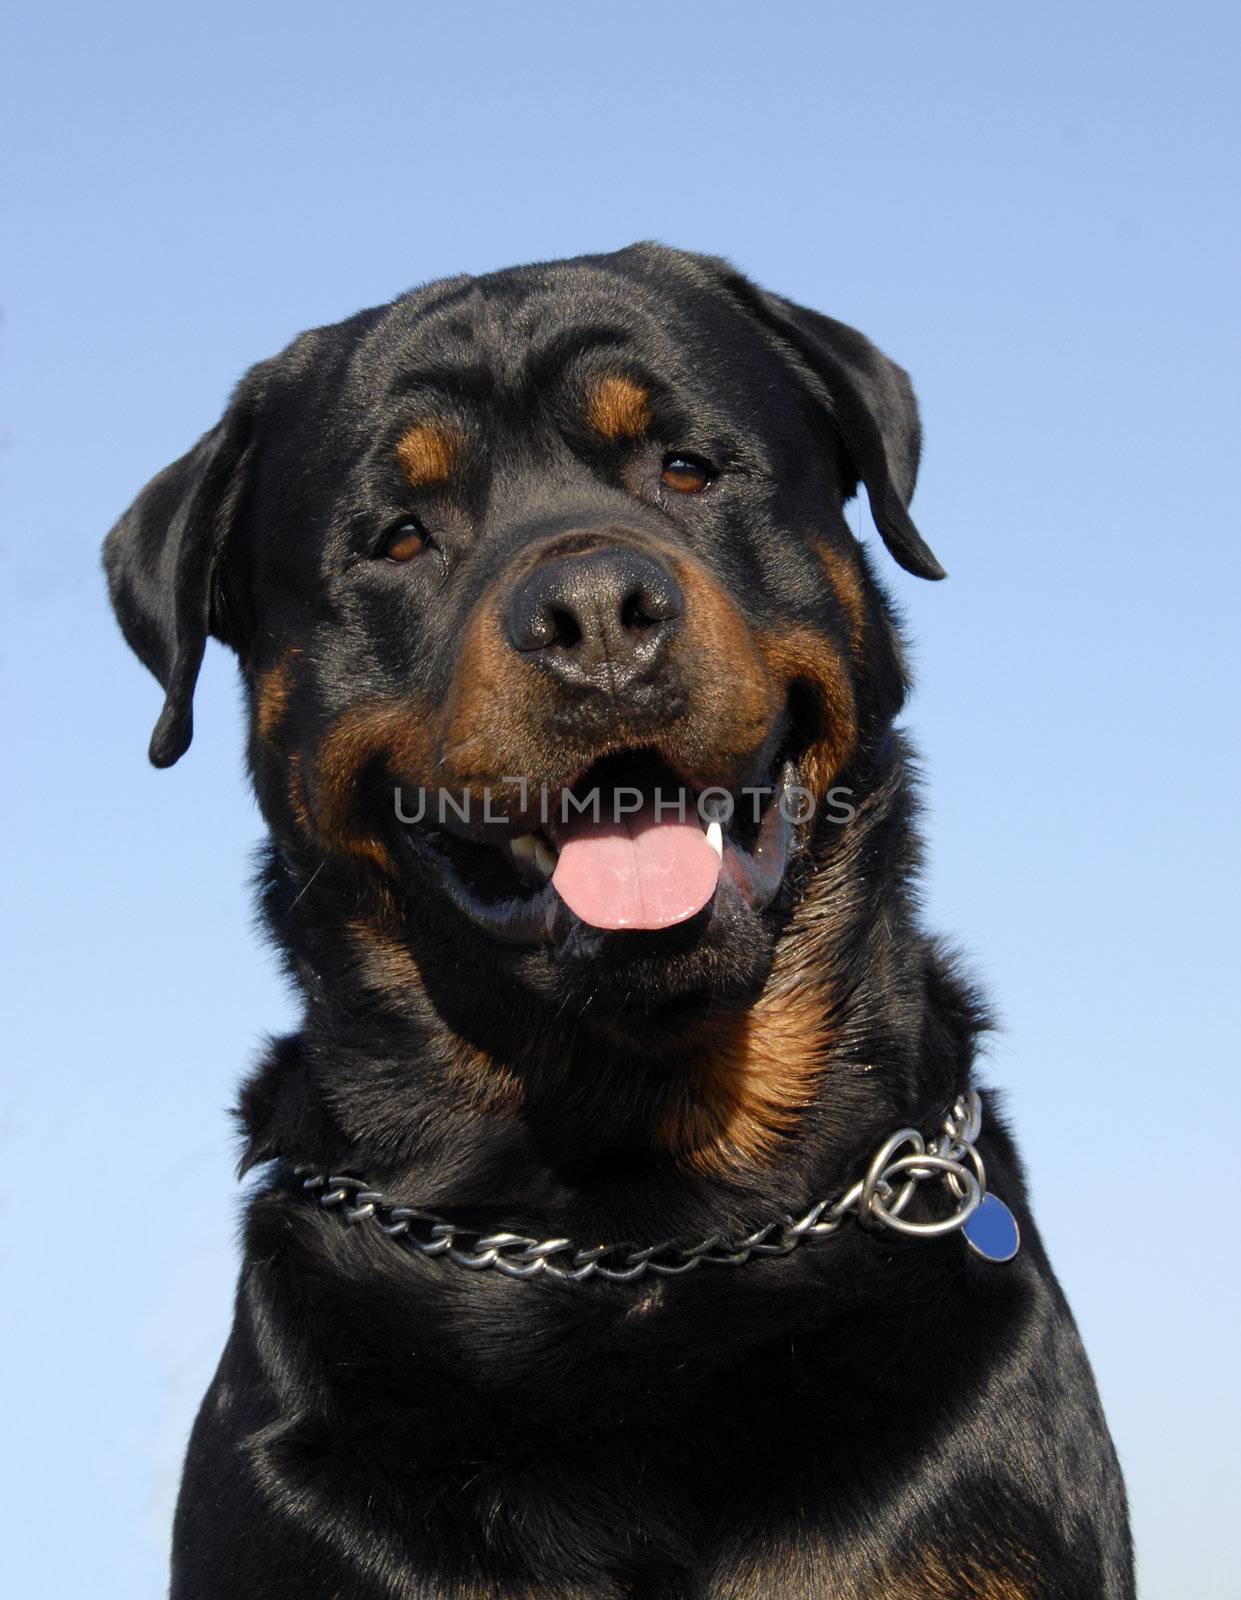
column 733, row 699
column 500, row 718
column 846, row 582
column 619, row 408
column 800, row 654
column 272, row 694
column 395, row 730
column 491, row 725
column 297, row 794
column 428, row 454
column 746, row 1088
column 492, row 721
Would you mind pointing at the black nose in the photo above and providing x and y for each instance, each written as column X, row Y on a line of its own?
column 601, row 620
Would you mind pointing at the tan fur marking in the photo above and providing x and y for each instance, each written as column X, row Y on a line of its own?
column 428, row 454
column 297, row 793
column 747, row 1087
column 734, row 699
column 384, row 962
column 800, row 1566
column 750, row 1080
column 492, row 723
column 272, row 693
column 393, row 730
column 487, row 1082
column 846, row 582
column 619, row 408
column 938, row 1579
column 801, row 655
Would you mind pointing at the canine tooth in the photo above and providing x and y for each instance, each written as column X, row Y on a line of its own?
column 715, row 837
column 544, row 859
column 524, row 846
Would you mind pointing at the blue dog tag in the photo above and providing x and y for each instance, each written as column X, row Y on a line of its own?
column 992, row 1231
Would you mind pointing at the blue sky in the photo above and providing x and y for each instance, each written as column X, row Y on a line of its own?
column 1034, row 208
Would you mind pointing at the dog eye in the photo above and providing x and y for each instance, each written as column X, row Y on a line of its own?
column 686, row 474
column 403, row 543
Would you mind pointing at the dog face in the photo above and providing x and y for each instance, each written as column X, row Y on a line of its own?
column 555, row 637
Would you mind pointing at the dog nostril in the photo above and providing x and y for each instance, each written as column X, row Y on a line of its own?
column 565, row 629
column 549, row 625
column 634, row 618
column 644, row 608
column 637, row 616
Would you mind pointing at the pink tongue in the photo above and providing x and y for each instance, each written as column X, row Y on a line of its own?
column 640, row 872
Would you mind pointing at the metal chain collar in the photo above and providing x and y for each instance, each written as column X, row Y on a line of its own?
column 879, row 1200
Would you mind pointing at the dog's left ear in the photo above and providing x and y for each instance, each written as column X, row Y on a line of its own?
column 871, row 401
column 165, row 560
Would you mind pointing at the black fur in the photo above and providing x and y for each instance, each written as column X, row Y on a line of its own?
column 869, row 1417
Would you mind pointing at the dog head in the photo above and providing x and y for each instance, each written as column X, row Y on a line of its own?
column 554, row 634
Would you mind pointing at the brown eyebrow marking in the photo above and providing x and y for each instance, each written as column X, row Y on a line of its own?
column 428, row 454
column 619, row 408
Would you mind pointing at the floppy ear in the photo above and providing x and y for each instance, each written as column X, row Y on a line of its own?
column 164, row 561
column 872, row 403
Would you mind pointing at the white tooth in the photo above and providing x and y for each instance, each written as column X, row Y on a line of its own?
column 544, row 859
column 715, row 837
column 524, row 846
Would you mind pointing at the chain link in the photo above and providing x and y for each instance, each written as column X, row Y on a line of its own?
column 901, row 1164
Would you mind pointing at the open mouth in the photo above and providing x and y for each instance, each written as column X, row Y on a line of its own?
column 630, row 847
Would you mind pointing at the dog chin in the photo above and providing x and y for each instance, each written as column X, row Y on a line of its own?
column 624, row 980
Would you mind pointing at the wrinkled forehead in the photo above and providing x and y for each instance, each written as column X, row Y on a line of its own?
column 511, row 343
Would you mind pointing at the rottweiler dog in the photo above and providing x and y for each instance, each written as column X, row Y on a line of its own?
column 621, row 1226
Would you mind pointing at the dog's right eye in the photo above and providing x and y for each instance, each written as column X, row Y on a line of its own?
column 403, row 543
column 685, row 473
